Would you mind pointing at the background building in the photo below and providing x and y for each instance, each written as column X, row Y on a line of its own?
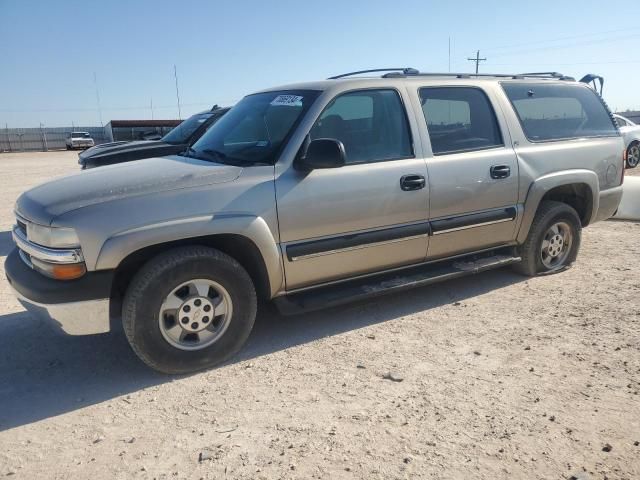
column 129, row 130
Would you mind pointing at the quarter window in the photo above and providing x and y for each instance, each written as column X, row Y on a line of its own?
column 558, row 112
column 459, row 119
column 371, row 124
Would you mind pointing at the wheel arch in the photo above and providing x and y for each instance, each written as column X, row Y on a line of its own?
column 577, row 188
column 247, row 239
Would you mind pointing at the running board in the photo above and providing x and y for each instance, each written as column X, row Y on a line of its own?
column 381, row 284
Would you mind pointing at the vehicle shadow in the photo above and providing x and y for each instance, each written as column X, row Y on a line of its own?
column 6, row 243
column 44, row 374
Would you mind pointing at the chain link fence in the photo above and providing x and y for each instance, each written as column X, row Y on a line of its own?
column 43, row 139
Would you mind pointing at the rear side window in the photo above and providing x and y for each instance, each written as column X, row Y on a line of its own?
column 459, row 119
column 371, row 124
column 559, row 112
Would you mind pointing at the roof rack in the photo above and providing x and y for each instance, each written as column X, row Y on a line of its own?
column 412, row 72
column 405, row 71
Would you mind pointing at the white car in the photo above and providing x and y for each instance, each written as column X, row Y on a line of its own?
column 631, row 133
column 79, row 140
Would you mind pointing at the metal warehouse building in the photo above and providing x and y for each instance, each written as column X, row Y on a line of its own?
column 128, row 130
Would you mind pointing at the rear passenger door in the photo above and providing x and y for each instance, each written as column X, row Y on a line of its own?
column 369, row 215
column 473, row 171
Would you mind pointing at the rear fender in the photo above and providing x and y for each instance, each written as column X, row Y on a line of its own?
column 546, row 183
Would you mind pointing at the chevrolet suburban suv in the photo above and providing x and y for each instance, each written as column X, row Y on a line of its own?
column 315, row 194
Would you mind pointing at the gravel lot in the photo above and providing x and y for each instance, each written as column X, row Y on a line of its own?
column 502, row 377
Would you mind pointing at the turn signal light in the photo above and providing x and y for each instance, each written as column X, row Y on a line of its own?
column 60, row 271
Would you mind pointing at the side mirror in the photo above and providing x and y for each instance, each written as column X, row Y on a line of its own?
column 323, row 153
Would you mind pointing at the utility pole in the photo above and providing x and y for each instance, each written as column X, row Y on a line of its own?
column 477, row 59
column 151, row 108
column 449, row 54
column 175, row 74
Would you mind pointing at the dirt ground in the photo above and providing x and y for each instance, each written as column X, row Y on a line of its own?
column 502, row 377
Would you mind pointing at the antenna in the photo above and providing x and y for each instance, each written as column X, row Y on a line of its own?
column 95, row 82
column 175, row 74
column 449, row 54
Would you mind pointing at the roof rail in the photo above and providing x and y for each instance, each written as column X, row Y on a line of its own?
column 412, row 72
column 405, row 71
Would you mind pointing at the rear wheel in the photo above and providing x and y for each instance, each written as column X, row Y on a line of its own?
column 189, row 309
column 633, row 155
column 553, row 241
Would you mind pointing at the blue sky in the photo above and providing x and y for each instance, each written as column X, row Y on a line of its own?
column 49, row 50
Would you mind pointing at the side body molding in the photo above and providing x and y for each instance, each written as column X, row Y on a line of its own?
column 545, row 183
column 255, row 229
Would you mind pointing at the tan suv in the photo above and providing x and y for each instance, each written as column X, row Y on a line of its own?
column 315, row 194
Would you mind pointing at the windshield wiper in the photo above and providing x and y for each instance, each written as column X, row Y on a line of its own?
column 222, row 157
column 187, row 152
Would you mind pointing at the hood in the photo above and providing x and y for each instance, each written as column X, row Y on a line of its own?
column 113, row 148
column 47, row 201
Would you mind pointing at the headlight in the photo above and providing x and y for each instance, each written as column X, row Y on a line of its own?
column 52, row 237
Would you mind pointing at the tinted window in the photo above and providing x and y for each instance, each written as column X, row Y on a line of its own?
column 621, row 122
column 182, row 132
column 555, row 112
column 371, row 124
column 459, row 119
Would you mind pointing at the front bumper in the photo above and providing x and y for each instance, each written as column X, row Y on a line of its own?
column 77, row 307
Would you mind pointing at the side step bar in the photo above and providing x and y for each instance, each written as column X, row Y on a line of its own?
column 411, row 277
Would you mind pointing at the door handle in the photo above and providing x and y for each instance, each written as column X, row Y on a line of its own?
column 412, row 182
column 500, row 171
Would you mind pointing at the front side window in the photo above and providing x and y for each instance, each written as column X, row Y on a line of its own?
column 559, row 112
column 459, row 119
column 183, row 132
column 621, row 122
column 255, row 129
column 371, row 124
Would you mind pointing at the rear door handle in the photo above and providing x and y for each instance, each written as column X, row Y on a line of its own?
column 500, row 171
column 412, row 182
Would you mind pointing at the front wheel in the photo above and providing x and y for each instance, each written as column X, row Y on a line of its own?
column 553, row 241
column 189, row 309
column 633, row 155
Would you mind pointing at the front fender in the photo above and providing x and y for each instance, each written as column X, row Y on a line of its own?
column 119, row 246
column 539, row 188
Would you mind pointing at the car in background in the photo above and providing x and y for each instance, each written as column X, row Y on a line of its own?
column 78, row 140
column 174, row 142
column 631, row 134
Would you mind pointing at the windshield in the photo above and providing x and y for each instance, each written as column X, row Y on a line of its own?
column 254, row 131
column 80, row 135
column 182, row 132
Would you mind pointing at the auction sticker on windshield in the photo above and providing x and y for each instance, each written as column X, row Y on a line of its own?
column 287, row 100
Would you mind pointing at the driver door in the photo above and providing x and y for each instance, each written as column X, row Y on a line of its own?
column 369, row 215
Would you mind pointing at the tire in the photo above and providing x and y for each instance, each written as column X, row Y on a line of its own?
column 633, row 155
column 68, row 147
column 152, row 332
column 538, row 260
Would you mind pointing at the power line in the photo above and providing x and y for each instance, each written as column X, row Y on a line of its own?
column 557, row 39
column 570, row 45
column 477, row 59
